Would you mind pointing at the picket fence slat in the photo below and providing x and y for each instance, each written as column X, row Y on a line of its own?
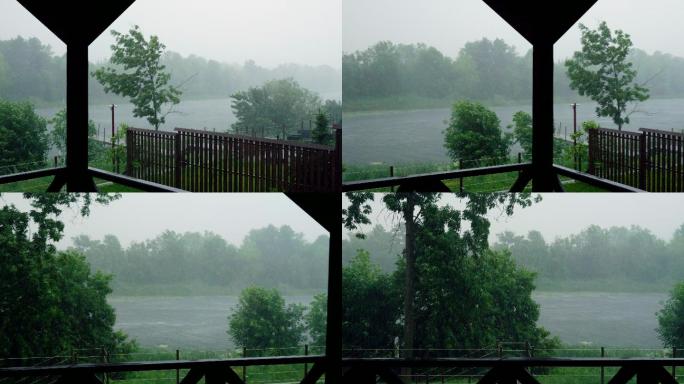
column 201, row 161
column 652, row 160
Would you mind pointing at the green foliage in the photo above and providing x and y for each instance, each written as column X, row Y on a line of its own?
column 474, row 134
column 483, row 70
column 51, row 302
column 446, row 251
column 522, row 132
column 277, row 107
column 32, row 71
column 59, row 132
column 138, row 74
column 23, row 137
column 117, row 152
column 602, row 71
column 321, row 133
column 262, row 320
column 370, row 305
column 184, row 263
column 612, row 258
column 4, row 77
column 671, row 319
column 383, row 246
column 316, row 319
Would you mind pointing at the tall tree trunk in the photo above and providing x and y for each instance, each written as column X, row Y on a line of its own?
column 410, row 278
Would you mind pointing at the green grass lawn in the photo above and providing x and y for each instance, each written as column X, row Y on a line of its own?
column 291, row 373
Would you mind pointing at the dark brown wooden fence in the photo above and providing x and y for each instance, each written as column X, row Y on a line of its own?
column 201, row 161
column 652, row 160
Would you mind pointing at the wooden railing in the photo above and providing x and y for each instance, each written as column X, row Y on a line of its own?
column 213, row 371
column 434, row 182
column 202, row 161
column 510, row 370
column 652, row 160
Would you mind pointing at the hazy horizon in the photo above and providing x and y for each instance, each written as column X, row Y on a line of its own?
column 139, row 217
column 560, row 215
column 448, row 25
column 281, row 31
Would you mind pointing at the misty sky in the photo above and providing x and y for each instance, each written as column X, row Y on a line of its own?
column 270, row 32
column 563, row 214
column 449, row 24
column 138, row 217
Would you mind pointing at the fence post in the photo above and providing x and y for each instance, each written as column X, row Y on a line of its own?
column 603, row 354
column 244, row 367
column 592, row 149
column 392, row 175
column 642, row 161
column 129, row 153
column 306, row 365
column 177, row 370
column 674, row 367
column 178, row 160
column 338, row 157
column 105, row 375
column 460, row 180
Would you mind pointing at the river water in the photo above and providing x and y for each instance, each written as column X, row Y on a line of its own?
column 401, row 137
column 589, row 318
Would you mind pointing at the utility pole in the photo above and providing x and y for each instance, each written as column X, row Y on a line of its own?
column 112, row 107
column 574, row 133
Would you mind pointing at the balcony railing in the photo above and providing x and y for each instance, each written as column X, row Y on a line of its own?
column 213, row 371
column 511, row 370
column 434, row 182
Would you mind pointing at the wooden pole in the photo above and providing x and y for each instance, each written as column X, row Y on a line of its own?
column 177, row 370
column 244, row 367
column 603, row 377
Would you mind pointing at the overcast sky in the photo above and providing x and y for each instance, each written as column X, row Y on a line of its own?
column 562, row 214
column 449, row 24
column 142, row 216
column 270, row 32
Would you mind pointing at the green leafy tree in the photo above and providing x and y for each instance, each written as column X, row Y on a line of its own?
column 137, row 73
column 602, row 71
column 59, row 133
column 262, row 320
column 321, row 133
column 371, row 305
column 419, row 211
column 316, row 319
column 671, row 319
column 474, row 135
column 277, row 107
column 50, row 301
column 522, row 132
column 23, row 137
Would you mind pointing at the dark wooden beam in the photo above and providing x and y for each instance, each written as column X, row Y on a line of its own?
column 542, row 118
column 74, row 21
column 314, row 374
column 201, row 365
column 541, row 21
column 132, row 182
column 429, row 178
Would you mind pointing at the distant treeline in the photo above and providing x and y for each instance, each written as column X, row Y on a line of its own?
column 30, row 70
column 484, row 70
column 193, row 262
column 616, row 258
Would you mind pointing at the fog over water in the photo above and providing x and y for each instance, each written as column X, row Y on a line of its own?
column 568, row 213
column 270, row 32
column 139, row 217
column 448, row 25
